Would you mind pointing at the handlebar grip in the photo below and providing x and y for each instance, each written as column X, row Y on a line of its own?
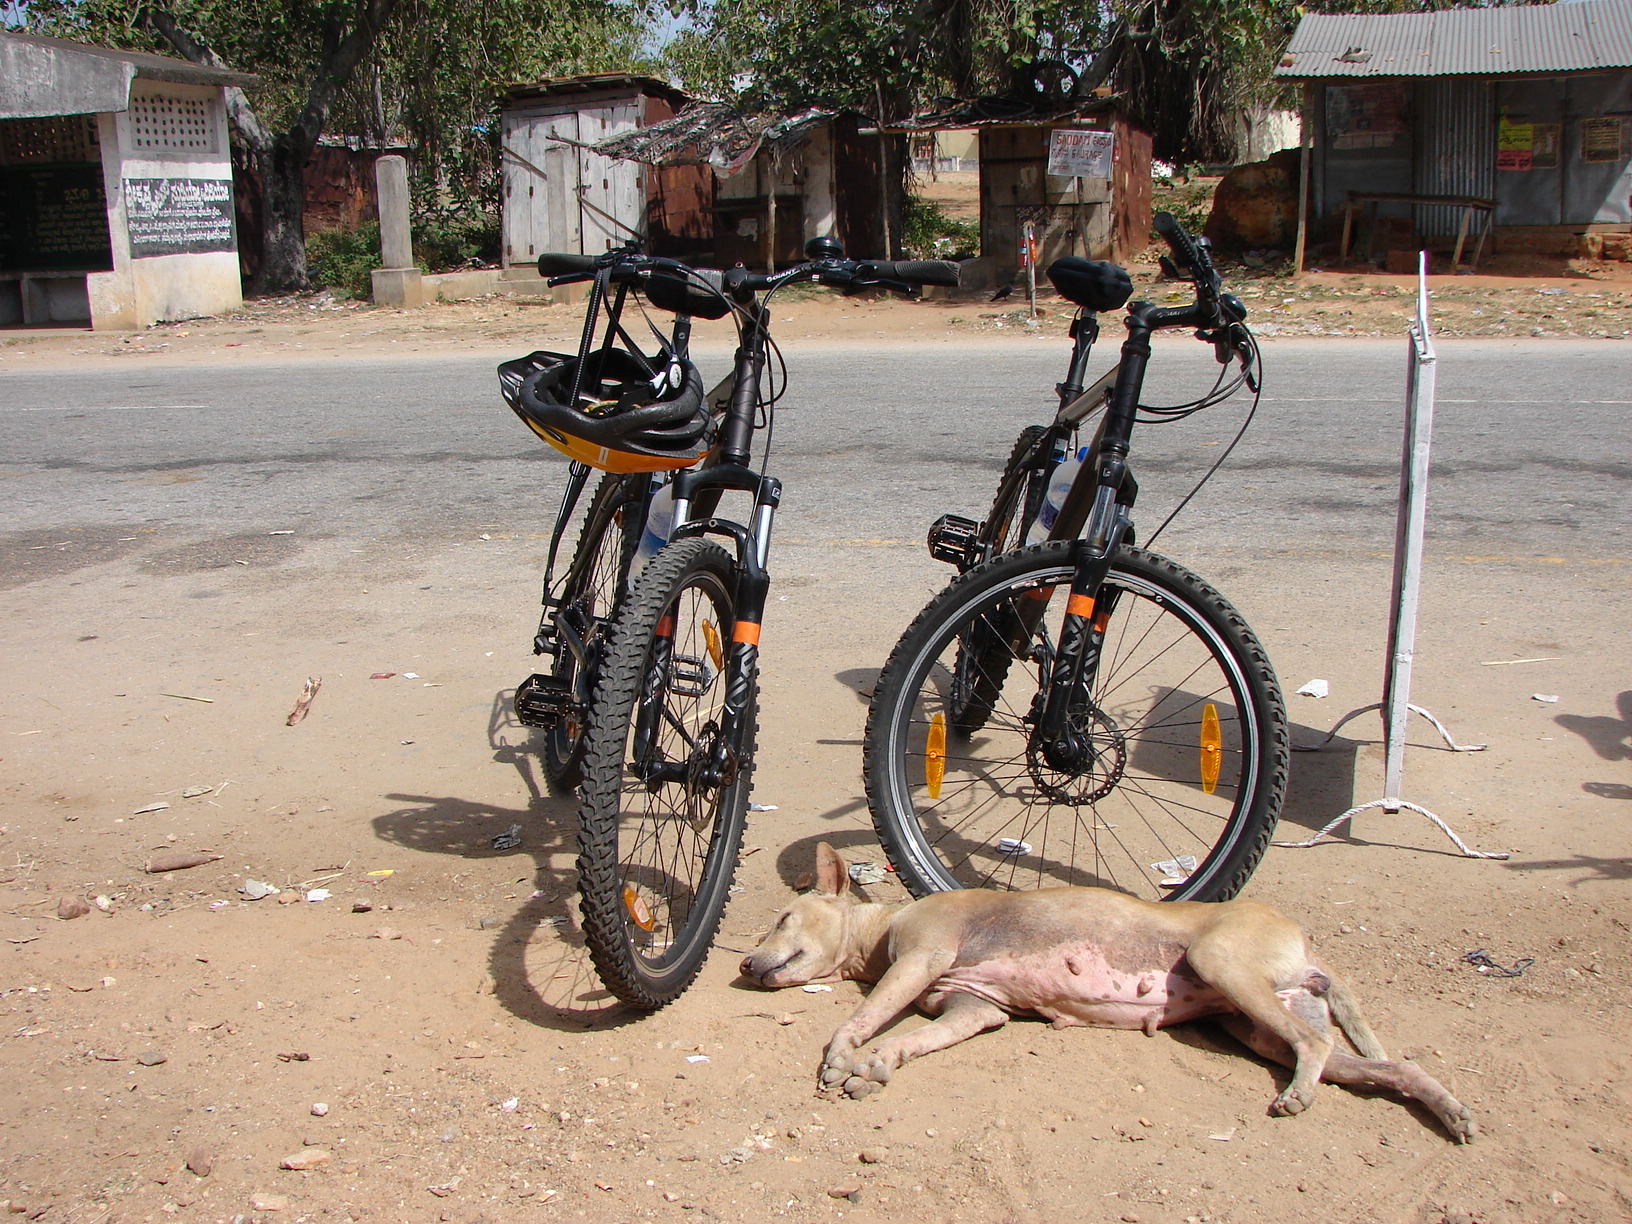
column 1184, row 246
column 559, row 263
column 913, row 271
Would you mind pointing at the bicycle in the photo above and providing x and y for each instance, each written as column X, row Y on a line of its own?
column 675, row 421
column 672, row 724
column 1138, row 740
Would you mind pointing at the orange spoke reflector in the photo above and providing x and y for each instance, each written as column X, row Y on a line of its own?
column 1212, row 748
column 935, row 755
column 639, row 912
column 712, row 636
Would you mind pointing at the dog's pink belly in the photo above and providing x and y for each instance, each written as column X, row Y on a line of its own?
column 1078, row 986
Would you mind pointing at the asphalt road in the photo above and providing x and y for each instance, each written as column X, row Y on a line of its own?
column 1533, row 446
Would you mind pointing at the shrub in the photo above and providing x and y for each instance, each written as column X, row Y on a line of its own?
column 928, row 233
column 341, row 260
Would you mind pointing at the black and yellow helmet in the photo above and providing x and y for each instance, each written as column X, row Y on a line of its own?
column 631, row 414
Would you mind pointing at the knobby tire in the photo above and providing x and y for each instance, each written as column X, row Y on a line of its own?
column 656, row 861
column 980, row 806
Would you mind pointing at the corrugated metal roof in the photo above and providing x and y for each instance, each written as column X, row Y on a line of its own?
column 1577, row 37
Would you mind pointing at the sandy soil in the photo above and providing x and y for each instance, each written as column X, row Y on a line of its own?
column 165, row 1053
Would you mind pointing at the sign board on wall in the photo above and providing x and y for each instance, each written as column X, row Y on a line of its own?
column 53, row 218
column 1079, row 153
column 179, row 216
column 1364, row 116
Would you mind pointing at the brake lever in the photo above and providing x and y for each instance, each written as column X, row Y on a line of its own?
column 1171, row 270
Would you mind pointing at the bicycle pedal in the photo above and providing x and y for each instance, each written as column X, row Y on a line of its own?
column 542, row 701
column 955, row 540
column 690, row 675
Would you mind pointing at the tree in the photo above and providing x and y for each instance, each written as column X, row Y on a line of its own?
column 1185, row 68
column 427, row 71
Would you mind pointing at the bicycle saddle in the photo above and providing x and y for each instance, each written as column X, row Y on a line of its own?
column 1092, row 284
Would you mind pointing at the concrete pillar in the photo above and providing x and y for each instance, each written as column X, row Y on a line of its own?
column 398, row 282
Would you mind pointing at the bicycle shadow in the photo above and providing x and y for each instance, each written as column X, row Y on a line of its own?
column 538, row 967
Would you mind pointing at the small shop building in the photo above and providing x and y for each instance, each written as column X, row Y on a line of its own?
column 560, row 194
column 779, row 180
column 1516, row 120
column 1075, row 171
column 116, row 193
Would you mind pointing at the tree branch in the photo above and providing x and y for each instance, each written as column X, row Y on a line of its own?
column 160, row 22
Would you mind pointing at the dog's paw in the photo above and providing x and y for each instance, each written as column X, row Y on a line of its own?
column 837, row 1067
column 870, row 1074
column 858, row 1086
column 1461, row 1125
column 1290, row 1103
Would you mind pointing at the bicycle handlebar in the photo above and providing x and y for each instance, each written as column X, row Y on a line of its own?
column 911, row 271
column 560, row 263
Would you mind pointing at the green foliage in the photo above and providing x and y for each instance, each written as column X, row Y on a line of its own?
column 431, row 80
column 340, row 260
column 928, row 233
column 453, row 238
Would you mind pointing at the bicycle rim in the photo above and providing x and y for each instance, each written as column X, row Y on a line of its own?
column 1185, row 718
column 657, row 847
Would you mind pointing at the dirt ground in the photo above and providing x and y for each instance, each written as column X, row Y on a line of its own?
column 429, row 1041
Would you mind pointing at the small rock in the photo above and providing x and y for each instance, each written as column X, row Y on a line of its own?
column 486, row 924
column 176, row 861
column 386, row 933
column 320, row 1110
column 845, row 1190
column 71, row 907
column 1130, row 1218
column 193, row 792
column 1146, row 1122
column 151, row 1058
column 360, row 907
column 311, row 1158
column 200, row 1162
column 872, row 1155
column 288, row 898
column 269, row 1202
column 102, row 903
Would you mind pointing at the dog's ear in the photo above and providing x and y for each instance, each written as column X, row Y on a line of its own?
column 831, row 873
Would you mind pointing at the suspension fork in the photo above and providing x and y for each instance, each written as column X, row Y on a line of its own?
column 715, row 760
column 1097, row 514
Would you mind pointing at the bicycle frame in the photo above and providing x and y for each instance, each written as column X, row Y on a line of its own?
column 704, row 485
column 1098, row 515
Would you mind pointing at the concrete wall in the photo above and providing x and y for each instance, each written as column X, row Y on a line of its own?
column 168, row 180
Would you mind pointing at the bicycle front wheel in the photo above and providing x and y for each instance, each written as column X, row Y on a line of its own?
column 658, row 835
column 1188, row 746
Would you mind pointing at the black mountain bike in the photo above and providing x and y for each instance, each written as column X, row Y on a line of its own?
column 668, row 748
column 1083, row 711
column 579, row 603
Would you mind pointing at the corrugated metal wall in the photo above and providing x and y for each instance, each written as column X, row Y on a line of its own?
column 1455, row 148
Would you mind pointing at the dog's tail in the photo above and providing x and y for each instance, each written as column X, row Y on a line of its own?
column 1346, row 1011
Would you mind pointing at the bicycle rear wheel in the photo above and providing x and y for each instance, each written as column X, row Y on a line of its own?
column 1179, row 797
column 589, row 597
column 981, row 663
column 657, row 846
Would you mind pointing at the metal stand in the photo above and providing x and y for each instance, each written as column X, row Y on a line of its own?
column 1396, row 704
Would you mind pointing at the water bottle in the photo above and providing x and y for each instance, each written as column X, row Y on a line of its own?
column 1059, row 484
column 659, row 522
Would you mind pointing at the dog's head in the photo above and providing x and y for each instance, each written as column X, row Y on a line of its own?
column 808, row 941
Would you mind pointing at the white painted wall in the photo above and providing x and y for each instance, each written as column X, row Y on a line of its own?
column 171, row 132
